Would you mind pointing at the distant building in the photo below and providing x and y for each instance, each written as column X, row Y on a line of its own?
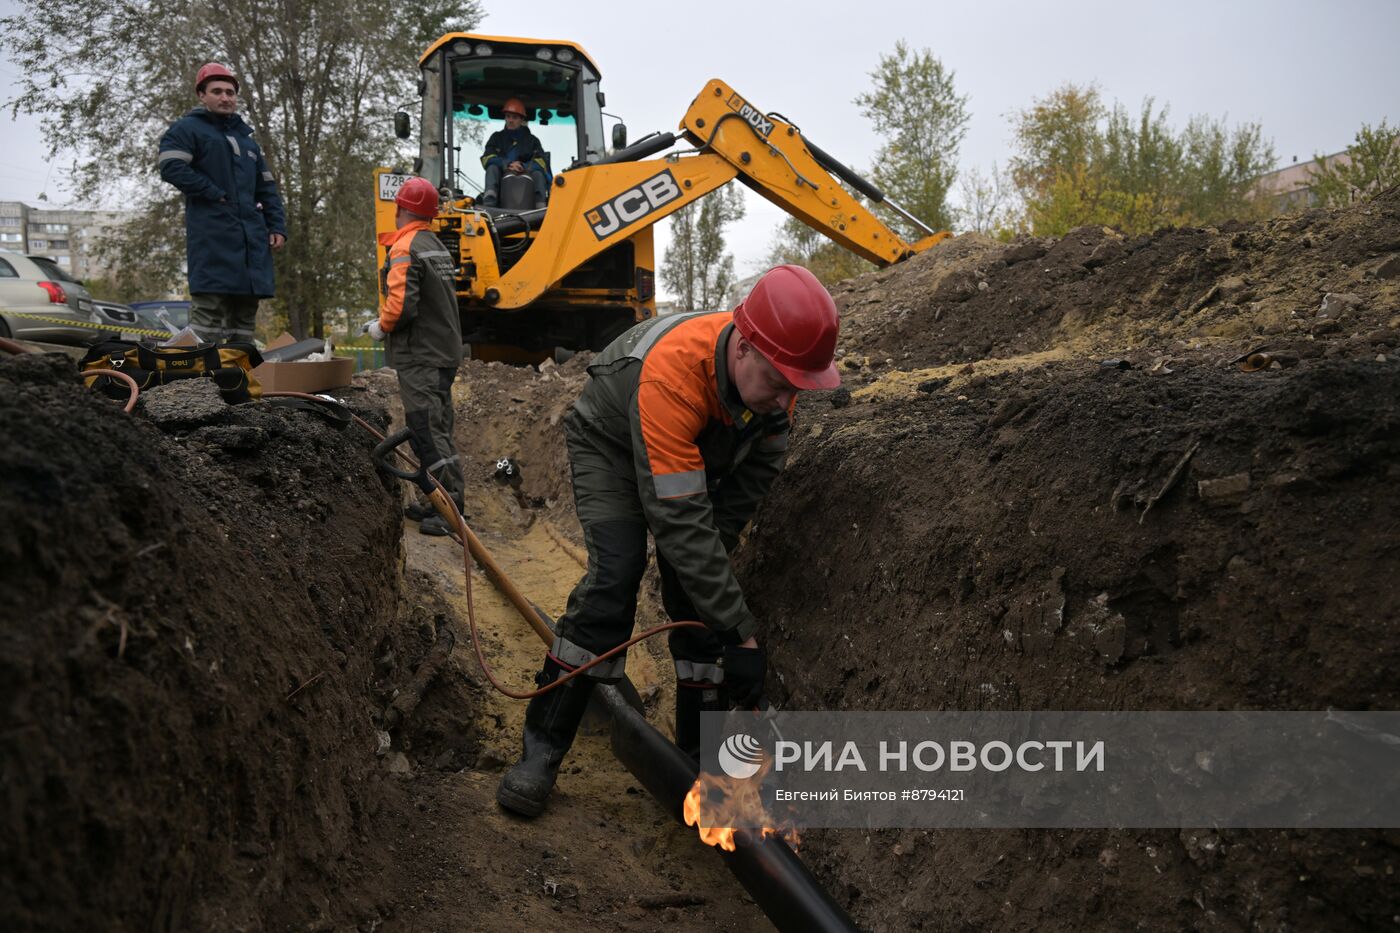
column 68, row 237
column 1290, row 188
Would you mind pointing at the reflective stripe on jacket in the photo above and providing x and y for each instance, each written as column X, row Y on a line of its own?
column 418, row 299
column 231, row 202
column 703, row 461
column 507, row 146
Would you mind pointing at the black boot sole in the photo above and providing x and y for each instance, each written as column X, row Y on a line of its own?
column 520, row 805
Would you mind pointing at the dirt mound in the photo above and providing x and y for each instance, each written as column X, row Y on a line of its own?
column 515, row 413
column 1040, row 530
column 186, row 657
column 1172, row 291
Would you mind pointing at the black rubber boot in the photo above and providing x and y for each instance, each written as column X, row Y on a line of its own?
column 550, row 723
column 418, row 509
column 435, row 524
column 691, row 701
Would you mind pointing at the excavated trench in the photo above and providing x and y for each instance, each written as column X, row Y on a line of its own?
column 212, row 609
column 1046, row 484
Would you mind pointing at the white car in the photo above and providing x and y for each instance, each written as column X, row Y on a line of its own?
column 39, row 301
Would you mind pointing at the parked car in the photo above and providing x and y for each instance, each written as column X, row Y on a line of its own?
column 151, row 313
column 36, row 285
column 123, row 318
column 115, row 314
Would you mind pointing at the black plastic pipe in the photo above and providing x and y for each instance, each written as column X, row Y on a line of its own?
column 771, row 872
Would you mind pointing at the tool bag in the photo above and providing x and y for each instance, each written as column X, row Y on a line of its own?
column 230, row 365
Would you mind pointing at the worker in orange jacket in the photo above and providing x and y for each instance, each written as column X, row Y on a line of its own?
column 418, row 320
column 680, row 431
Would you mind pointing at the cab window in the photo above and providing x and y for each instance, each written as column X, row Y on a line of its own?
column 480, row 86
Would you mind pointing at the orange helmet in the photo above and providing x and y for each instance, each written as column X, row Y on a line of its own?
column 211, row 71
column 418, row 196
column 513, row 105
column 789, row 317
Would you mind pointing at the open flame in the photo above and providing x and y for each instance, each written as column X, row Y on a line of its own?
column 727, row 802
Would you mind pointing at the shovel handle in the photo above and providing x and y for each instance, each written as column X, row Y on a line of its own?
column 384, row 450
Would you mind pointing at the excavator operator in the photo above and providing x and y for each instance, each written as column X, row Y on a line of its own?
column 515, row 151
column 681, row 431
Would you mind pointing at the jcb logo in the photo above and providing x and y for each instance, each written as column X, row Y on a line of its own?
column 633, row 204
column 751, row 115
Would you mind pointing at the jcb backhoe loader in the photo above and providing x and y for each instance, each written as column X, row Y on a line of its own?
column 577, row 273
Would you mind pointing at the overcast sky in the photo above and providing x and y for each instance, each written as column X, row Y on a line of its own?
column 1309, row 72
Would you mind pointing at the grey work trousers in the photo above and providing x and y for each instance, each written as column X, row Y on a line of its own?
column 219, row 318
column 427, row 410
column 602, row 607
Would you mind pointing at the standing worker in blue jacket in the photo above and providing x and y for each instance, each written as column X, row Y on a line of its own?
column 515, row 150
column 233, row 213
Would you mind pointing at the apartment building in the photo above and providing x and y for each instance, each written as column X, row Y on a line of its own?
column 1290, row 187
column 68, row 236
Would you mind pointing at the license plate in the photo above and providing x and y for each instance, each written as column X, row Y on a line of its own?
column 84, row 305
column 389, row 185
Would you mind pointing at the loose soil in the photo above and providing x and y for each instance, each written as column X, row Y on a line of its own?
column 1052, row 488
column 212, row 608
column 1046, row 484
column 194, row 598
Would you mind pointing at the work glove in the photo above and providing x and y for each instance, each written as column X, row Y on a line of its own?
column 375, row 332
column 744, row 670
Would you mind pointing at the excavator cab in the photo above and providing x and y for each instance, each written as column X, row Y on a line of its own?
column 465, row 79
column 561, row 107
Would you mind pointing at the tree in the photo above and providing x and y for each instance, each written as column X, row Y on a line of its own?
column 1221, row 170
column 798, row 244
column 1057, row 134
column 696, row 267
column 319, row 80
column 1372, row 164
column 145, row 258
column 1079, row 162
column 986, row 207
column 914, row 106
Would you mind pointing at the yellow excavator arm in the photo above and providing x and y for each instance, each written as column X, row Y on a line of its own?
column 593, row 207
column 773, row 158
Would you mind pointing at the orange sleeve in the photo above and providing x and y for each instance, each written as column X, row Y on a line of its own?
column 670, row 424
column 391, row 305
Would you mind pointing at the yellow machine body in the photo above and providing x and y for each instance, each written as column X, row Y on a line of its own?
column 577, row 273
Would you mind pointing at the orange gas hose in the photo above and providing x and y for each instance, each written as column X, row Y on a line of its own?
column 15, row 347
column 130, row 384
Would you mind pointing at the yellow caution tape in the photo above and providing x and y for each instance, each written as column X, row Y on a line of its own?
column 88, row 324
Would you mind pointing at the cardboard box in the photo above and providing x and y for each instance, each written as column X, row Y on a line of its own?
column 301, row 375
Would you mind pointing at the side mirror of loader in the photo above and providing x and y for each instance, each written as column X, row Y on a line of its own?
column 401, row 128
column 619, row 136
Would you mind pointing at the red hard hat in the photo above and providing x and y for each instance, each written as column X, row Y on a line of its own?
column 790, row 318
column 210, row 71
column 513, row 105
column 418, row 196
